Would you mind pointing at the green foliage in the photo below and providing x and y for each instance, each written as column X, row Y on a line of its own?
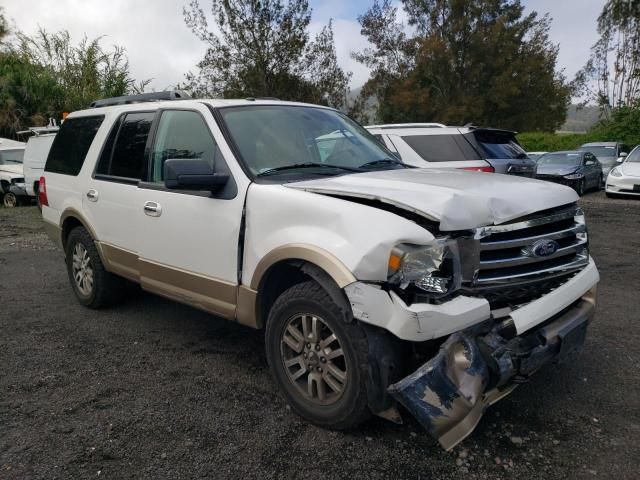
column 624, row 126
column 480, row 61
column 43, row 75
column 263, row 49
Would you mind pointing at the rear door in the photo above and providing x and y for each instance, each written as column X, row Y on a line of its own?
column 111, row 195
column 189, row 239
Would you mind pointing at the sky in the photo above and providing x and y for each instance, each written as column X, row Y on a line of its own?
column 160, row 46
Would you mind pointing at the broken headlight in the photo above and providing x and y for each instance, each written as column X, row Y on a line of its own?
column 433, row 268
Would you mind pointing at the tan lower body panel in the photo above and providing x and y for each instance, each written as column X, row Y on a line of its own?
column 209, row 294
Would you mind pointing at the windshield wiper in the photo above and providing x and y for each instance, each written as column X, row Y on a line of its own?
column 305, row 165
column 384, row 161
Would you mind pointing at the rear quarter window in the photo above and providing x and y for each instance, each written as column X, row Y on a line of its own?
column 442, row 148
column 71, row 145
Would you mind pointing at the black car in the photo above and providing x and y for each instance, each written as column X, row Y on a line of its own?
column 576, row 169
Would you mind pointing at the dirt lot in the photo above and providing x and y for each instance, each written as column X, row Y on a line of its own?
column 153, row 389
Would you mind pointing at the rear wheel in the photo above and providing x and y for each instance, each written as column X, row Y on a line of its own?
column 9, row 200
column 36, row 190
column 93, row 285
column 317, row 358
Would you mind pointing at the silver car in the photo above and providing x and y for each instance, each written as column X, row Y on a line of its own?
column 607, row 153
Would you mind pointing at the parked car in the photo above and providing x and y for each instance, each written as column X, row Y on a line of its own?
column 535, row 155
column 11, row 176
column 577, row 169
column 35, row 156
column 624, row 180
column 468, row 148
column 607, row 153
column 375, row 283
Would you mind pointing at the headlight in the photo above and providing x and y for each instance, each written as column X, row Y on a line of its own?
column 615, row 172
column 574, row 176
column 433, row 268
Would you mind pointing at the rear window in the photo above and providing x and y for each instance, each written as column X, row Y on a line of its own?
column 499, row 145
column 71, row 145
column 442, row 148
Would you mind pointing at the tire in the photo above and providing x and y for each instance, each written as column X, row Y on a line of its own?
column 99, row 288
column 601, row 183
column 9, row 200
column 36, row 190
column 580, row 187
column 339, row 411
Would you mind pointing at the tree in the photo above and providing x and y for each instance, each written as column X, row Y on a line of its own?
column 611, row 77
column 263, row 49
column 45, row 74
column 479, row 61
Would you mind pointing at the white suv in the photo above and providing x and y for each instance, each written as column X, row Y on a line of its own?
column 375, row 283
column 434, row 145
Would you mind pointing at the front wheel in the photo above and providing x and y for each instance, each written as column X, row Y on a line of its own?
column 580, row 187
column 9, row 200
column 93, row 285
column 317, row 358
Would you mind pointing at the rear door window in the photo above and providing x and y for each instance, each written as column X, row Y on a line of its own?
column 71, row 144
column 499, row 145
column 124, row 152
column 442, row 148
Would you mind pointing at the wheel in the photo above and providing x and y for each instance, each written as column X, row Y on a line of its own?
column 601, row 183
column 580, row 187
column 9, row 200
column 93, row 285
column 36, row 190
column 317, row 358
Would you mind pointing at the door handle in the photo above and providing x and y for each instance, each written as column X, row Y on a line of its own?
column 152, row 209
column 92, row 195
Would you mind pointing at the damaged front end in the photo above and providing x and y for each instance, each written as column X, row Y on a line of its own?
column 476, row 367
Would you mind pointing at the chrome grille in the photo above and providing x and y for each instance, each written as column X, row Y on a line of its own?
column 503, row 253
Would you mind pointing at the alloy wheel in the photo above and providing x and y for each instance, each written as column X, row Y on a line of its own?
column 313, row 359
column 82, row 269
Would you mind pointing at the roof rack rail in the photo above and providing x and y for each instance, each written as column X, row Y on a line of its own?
column 253, row 99
column 142, row 97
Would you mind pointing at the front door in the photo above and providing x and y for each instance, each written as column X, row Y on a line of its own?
column 189, row 239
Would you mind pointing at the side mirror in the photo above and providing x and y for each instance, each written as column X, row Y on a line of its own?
column 620, row 159
column 589, row 162
column 192, row 174
column 623, row 154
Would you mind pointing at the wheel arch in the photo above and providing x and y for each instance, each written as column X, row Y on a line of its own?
column 71, row 219
column 292, row 264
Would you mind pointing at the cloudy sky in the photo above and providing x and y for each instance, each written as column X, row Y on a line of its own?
column 161, row 47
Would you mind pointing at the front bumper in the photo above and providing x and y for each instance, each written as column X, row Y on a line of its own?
column 560, row 180
column 476, row 367
column 623, row 185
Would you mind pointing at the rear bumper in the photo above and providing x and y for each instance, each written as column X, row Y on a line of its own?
column 475, row 368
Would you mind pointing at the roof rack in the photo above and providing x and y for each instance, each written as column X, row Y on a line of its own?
column 142, row 97
column 52, row 127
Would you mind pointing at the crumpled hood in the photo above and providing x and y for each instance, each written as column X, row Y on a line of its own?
column 631, row 169
column 14, row 169
column 457, row 199
column 551, row 169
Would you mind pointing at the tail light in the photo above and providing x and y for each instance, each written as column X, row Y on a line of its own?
column 42, row 192
column 480, row 169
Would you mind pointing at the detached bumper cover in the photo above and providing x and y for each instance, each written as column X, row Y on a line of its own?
column 472, row 370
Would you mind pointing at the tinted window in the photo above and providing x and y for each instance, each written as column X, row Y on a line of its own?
column 105, row 157
column 499, row 145
column 127, row 160
column 71, row 144
column 634, row 156
column 11, row 157
column 601, row 151
column 182, row 134
column 442, row 148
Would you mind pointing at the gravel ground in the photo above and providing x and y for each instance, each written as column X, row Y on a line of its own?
column 153, row 389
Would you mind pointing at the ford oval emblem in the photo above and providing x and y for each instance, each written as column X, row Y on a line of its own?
column 541, row 248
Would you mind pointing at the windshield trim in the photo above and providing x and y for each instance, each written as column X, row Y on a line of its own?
column 285, row 176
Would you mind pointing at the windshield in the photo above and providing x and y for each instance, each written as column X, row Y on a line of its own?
column 601, row 151
column 499, row 145
column 560, row 159
column 282, row 139
column 634, row 156
column 11, row 157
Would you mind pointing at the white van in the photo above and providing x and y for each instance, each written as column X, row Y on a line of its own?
column 35, row 156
